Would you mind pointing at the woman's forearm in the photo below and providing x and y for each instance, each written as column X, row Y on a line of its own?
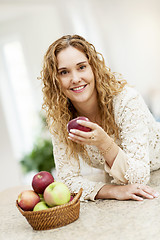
column 105, row 192
column 109, row 150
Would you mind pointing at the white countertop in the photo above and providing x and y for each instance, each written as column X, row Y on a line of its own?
column 101, row 220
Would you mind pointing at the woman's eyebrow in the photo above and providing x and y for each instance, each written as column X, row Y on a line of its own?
column 81, row 62
column 63, row 68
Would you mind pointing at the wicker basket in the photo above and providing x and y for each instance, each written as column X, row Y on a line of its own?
column 54, row 217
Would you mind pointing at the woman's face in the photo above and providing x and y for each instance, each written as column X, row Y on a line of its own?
column 76, row 76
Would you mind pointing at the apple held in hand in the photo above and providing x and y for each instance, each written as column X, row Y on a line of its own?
column 74, row 125
column 41, row 180
column 56, row 193
column 40, row 206
column 28, row 199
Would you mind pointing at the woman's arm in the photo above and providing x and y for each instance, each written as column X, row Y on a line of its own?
column 109, row 149
column 130, row 164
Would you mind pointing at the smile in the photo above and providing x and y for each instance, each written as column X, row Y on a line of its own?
column 78, row 89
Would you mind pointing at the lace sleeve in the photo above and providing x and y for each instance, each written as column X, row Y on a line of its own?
column 132, row 119
column 68, row 172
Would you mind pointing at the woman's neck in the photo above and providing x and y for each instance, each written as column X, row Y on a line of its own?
column 89, row 110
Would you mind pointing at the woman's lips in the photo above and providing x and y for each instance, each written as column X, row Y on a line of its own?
column 78, row 89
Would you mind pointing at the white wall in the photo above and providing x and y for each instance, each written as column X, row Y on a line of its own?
column 9, row 169
column 126, row 32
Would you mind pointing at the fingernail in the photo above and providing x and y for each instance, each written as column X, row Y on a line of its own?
column 71, row 135
column 150, row 196
column 141, row 199
column 72, row 131
column 79, row 121
column 156, row 194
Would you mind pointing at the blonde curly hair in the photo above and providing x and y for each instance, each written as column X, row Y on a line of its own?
column 59, row 109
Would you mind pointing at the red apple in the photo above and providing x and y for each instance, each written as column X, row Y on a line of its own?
column 74, row 125
column 71, row 198
column 28, row 199
column 41, row 180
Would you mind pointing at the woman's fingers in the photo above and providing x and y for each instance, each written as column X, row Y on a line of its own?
column 79, row 133
column 144, row 194
column 143, row 191
column 136, row 198
column 135, row 192
column 87, row 124
column 82, row 137
column 76, row 138
column 148, row 191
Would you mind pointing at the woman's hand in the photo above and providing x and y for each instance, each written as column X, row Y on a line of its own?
column 135, row 192
column 97, row 136
column 131, row 191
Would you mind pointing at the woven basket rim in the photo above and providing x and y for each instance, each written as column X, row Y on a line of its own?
column 73, row 202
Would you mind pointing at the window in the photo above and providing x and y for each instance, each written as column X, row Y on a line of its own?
column 17, row 98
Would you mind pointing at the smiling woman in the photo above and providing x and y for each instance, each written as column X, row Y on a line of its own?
column 123, row 133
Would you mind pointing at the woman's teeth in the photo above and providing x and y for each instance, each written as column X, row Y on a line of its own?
column 78, row 88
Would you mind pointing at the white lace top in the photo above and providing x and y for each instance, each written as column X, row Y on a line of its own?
column 139, row 149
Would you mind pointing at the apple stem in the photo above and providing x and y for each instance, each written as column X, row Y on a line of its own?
column 39, row 176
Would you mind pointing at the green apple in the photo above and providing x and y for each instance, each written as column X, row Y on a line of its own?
column 40, row 206
column 57, row 193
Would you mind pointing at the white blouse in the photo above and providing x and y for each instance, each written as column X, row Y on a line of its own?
column 139, row 149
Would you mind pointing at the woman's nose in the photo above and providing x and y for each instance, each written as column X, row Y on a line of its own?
column 75, row 78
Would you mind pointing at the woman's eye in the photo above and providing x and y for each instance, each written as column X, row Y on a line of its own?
column 82, row 67
column 64, row 72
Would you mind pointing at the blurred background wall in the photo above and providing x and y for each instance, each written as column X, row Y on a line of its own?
column 126, row 32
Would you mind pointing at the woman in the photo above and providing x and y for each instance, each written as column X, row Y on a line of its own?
column 124, row 137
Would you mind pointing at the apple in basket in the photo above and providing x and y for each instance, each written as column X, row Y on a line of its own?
column 57, row 193
column 28, row 199
column 71, row 198
column 74, row 125
column 41, row 180
column 40, row 206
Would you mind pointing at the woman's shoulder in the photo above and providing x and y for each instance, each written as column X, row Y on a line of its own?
column 126, row 95
column 128, row 92
column 130, row 101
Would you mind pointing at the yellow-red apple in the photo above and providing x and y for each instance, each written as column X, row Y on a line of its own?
column 57, row 193
column 28, row 199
